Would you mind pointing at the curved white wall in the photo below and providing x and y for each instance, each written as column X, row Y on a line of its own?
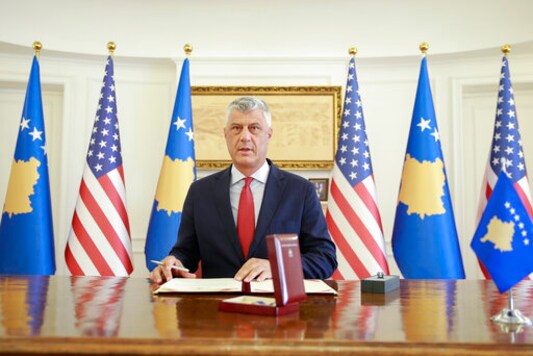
column 266, row 28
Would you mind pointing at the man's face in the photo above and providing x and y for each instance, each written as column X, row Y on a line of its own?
column 247, row 136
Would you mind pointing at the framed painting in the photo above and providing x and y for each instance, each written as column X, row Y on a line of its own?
column 321, row 187
column 305, row 121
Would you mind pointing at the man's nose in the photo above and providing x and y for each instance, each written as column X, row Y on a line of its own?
column 245, row 134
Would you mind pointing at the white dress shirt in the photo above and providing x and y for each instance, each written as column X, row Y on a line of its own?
column 257, row 186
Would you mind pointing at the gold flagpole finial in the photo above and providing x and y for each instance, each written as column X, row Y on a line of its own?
column 506, row 49
column 188, row 49
column 37, row 46
column 111, row 46
column 424, row 46
column 352, row 51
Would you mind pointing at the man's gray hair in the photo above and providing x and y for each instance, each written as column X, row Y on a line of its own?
column 249, row 103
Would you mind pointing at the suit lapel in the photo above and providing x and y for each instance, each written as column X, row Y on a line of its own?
column 223, row 206
column 271, row 198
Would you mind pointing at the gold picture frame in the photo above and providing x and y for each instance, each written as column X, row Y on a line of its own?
column 305, row 122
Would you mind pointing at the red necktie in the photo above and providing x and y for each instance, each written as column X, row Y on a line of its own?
column 246, row 217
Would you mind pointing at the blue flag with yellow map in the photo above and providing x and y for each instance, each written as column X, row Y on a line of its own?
column 23, row 304
column 26, row 230
column 177, row 174
column 501, row 241
column 424, row 238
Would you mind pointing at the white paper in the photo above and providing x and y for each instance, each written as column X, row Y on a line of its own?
column 230, row 285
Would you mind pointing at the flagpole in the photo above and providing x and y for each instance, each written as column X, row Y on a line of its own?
column 510, row 316
column 511, row 303
column 187, row 48
column 37, row 46
column 178, row 172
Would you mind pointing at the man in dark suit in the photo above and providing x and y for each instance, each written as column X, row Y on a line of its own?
column 212, row 228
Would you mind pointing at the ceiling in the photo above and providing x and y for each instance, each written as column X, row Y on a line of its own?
column 273, row 28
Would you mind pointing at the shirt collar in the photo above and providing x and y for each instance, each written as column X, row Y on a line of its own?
column 261, row 174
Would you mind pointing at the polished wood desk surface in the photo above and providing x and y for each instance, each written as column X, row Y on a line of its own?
column 90, row 315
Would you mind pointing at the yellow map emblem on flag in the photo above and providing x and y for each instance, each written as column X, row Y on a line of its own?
column 423, row 187
column 500, row 233
column 24, row 177
column 176, row 177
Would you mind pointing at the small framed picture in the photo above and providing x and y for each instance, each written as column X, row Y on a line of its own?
column 321, row 187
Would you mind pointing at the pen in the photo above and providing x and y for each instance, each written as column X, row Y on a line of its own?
column 179, row 268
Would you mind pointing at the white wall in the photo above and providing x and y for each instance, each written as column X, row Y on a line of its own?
column 464, row 89
column 266, row 28
column 274, row 42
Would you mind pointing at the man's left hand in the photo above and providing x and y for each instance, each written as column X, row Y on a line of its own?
column 254, row 268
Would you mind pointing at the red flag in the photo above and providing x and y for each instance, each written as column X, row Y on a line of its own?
column 352, row 215
column 99, row 242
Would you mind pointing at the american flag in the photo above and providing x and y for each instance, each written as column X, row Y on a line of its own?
column 353, row 318
column 506, row 149
column 99, row 241
column 98, row 305
column 352, row 214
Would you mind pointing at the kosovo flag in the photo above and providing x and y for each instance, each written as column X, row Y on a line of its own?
column 428, row 311
column 23, row 304
column 424, row 238
column 26, row 231
column 501, row 241
column 177, row 174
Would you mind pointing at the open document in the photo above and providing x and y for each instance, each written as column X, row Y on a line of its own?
column 229, row 285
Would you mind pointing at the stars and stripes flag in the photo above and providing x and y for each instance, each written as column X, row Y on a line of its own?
column 506, row 148
column 352, row 215
column 98, row 305
column 352, row 317
column 99, row 241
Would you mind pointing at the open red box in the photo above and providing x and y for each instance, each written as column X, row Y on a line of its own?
column 287, row 276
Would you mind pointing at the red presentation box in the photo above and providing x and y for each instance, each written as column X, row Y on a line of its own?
column 287, row 277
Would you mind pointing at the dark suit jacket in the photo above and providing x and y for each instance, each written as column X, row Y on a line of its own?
column 207, row 231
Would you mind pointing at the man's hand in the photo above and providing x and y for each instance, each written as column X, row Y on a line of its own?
column 254, row 268
column 165, row 272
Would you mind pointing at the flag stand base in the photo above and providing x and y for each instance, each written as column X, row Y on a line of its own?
column 510, row 315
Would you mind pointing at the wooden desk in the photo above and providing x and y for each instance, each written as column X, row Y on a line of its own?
column 88, row 315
